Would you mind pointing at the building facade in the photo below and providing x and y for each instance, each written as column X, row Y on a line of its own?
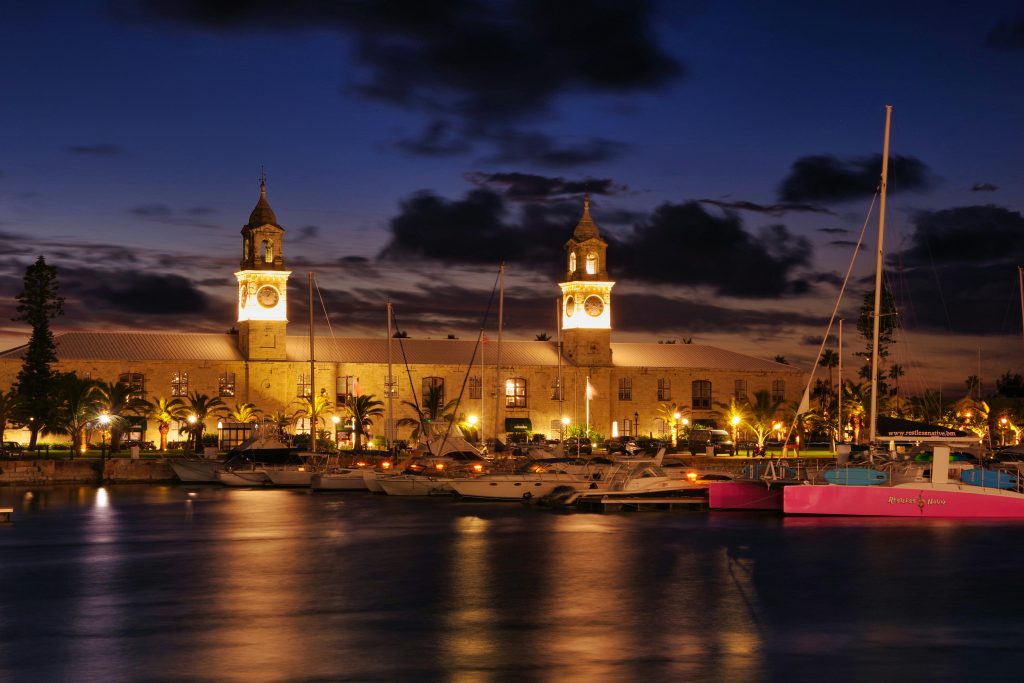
column 536, row 386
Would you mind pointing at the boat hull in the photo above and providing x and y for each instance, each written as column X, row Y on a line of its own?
column 415, row 486
column 245, row 478
column 516, row 488
column 289, row 478
column 339, row 481
column 197, row 471
column 744, row 495
column 949, row 500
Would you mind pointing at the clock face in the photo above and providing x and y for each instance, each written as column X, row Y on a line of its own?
column 593, row 305
column 570, row 306
column 267, row 296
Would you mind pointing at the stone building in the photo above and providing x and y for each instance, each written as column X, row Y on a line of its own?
column 617, row 388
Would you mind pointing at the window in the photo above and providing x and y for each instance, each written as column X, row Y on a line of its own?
column 778, row 389
column 660, row 426
column 436, row 385
column 302, row 387
column 627, row 427
column 515, row 392
column 664, row 390
column 740, row 390
column 390, row 387
column 179, row 384
column 475, row 387
column 226, row 384
column 346, row 387
column 625, row 389
column 572, row 262
column 556, row 391
column 591, row 263
column 701, row 395
column 266, row 251
column 136, row 383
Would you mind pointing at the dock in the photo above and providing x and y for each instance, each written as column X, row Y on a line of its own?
column 638, row 503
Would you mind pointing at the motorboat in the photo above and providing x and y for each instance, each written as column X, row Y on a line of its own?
column 195, row 470
column 342, row 479
column 297, row 475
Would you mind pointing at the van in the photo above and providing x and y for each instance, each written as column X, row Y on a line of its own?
column 700, row 439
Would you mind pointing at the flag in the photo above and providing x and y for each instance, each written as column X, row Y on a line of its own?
column 805, row 402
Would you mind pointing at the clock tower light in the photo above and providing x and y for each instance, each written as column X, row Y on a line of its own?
column 586, row 295
column 262, row 285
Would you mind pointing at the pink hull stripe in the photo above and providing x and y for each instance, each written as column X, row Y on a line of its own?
column 744, row 495
column 885, row 501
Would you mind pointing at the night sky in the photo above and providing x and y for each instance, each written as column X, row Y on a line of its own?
column 731, row 151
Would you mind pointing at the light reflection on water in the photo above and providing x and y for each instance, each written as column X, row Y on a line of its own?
column 176, row 583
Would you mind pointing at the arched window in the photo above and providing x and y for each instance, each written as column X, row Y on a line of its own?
column 435, row 385
column 591, row 263
column 266, row 251
column 572, row 262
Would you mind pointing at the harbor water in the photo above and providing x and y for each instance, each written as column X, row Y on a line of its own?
column 178, row 583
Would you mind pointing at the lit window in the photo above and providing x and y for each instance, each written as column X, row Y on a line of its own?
column 302, row 387
column 572, row 262
column 556, row 391
column 625, row 389
column 591, row 263
column 627, row 427
column 740, row 391
column 515, row 392
column 778, row 390
column 701, row 395
column 390, row 387
column 664, row 390
column 179, row 384
column 226, row 384
column 475, row 387
column 136, row 383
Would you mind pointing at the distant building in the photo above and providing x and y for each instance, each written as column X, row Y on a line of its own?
column 532, row 390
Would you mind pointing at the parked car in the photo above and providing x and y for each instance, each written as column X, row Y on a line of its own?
column 700, row 439
column 11, row 448
column 580, row 445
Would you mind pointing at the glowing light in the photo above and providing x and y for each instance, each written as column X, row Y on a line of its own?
column 677, row 416
column 615, row 429
column 191, row 419
column 102, row 499
column 692, row 476
column 439, row 466
column 335, row 419
column 385, row 465
column 735, row 420
column 472, row 420
column 686, row 421
column 104, row 419
column 565, row 421
column 478, row 468
column 220, row 425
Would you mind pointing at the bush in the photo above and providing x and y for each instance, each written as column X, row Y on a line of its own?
column 210, row 439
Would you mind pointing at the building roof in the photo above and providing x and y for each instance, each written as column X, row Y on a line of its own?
column 187, row 346
column 263, row 214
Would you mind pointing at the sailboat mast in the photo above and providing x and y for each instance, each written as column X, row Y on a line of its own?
column 879, row 259
column 497, row 358
column 1020, row 276
column 558, row 328
column 312, row 372
column 389, row 428
column 839, row 392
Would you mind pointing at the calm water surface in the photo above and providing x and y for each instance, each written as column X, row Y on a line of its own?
column 210, row 584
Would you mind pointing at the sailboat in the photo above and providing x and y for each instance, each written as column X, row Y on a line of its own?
column 941, row 495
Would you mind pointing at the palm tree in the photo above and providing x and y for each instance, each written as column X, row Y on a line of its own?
column 201, row 407
column 927, row 407
column 895, row 372
column 116, row 400
column 10, row 406
column 244, row 412
column 77, row 409
column 165, row 412
column 760, row 415
column 543, row 336
column 735, row 415
column 362, row 410
column 856, row 399
column 669, row 412
column 312, row 409
column 829, row 359
column 433, row 411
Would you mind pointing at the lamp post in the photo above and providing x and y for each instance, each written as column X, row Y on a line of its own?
column 636, row 425
column 191, row 419
column 675, row 428
column 735, row 426
column 1002, row 430
column 336, row 421
column 561, row 435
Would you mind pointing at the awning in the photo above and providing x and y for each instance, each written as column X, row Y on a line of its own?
column 518, row 424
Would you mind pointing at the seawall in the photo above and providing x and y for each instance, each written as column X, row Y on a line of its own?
column 115, row 471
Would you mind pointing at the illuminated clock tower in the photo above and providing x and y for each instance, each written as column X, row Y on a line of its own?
column 262, row 285
column 587, row 296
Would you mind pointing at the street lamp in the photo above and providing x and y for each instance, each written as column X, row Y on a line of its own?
column 191, row 419
column 636, row 425
column 561, row 436
column 675, row 428
column 1002, row 430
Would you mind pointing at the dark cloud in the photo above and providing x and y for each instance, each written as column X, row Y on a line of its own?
column 833, row 231
column 830, row 179
column 770, row 209
column 660, row 314
column 677, row 244
column 843, row 243
column 161, row 213
column 474, row 66
column 527, row 186
column 103, row 150
column 683, row 244
column 306, row 233
column 983, row 187
column 1008, row 34
column 128, row 291
column 518, row 146
column 959, row 272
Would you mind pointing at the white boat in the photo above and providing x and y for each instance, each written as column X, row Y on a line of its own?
column 297, row 475
column 519, row 486
column 345, row 479
column 244, row 477
column 415, row 485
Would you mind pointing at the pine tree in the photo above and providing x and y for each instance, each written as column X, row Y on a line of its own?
column 37, row 382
